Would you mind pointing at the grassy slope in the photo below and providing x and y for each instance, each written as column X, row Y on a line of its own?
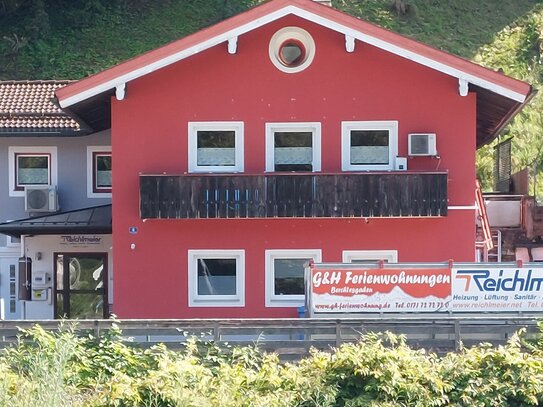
column 72, row 43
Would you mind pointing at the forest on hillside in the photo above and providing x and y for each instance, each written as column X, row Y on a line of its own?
column 70, row 39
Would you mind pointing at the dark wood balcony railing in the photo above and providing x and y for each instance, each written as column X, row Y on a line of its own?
column 202, row 196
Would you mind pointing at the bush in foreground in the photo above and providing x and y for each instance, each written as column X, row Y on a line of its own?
column 63, row 369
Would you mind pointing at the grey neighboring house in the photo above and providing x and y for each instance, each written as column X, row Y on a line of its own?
column 53, row 174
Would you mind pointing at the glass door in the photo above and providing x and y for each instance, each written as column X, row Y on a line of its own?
column 81, row 285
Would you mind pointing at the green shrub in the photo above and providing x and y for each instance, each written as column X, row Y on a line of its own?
column 62, row 368
column 485, row 376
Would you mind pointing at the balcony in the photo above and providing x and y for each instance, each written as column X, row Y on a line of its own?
column 293, row 195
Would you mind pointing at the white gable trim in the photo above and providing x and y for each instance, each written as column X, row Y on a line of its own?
column 315, row 18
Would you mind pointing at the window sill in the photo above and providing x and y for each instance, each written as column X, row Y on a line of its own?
column 226, row 302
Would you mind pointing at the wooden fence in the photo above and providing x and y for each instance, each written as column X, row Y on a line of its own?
column 292, row 338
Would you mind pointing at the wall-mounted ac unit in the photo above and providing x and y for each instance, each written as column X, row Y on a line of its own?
column 422, row 144
column 41, row 198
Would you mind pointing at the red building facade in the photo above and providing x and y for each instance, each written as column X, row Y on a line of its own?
column 282, row 135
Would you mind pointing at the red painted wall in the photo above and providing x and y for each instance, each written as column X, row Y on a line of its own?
column 149, row 135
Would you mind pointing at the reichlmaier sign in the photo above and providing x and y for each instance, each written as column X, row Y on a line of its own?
column 80, row 240
column 497, row 289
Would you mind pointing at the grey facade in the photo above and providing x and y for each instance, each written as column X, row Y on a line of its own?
column 72, row 169
column 31, row 124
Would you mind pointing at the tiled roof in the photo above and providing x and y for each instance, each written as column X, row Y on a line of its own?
column 26, row 107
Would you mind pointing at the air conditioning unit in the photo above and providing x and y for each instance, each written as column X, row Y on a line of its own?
column 422, row 144
column 41, row 198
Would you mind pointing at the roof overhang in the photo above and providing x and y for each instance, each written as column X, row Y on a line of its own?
column 479, row 79
column 94, row 220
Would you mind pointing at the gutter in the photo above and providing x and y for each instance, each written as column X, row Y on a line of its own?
column 30, row 133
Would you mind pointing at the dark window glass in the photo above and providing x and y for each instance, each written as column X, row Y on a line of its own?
column 292, row 53
column 216, row 148
column 217, row 139
column 293, row 151
column 289, row 276
column 216, row 276
column 32, row 170
column 86, row 273
column 86, row 306
column 369, row 146
column 103, row 171
column 60, row 306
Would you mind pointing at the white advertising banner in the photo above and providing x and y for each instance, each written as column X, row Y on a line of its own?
column 358, row 290
column 497, row 289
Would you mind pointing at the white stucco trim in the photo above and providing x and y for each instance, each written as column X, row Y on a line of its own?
column 346, row 127
column 13, row 150
column 313, row 127
column 273, row 300
column 11, row 243
column 10, row 252
column 197, row 300
column 288, row 33
column 310, row 16
column 370, row 255
column 90, row 171
column 232, row 45
column 236, row 127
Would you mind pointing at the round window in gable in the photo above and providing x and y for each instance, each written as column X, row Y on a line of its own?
column 292, row 53
column 292, row 49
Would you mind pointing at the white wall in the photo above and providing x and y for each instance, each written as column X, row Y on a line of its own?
column 9, row 257
column 47, row 246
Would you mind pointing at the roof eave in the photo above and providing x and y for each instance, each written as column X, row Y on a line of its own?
column 508, row 118
column 271, row 11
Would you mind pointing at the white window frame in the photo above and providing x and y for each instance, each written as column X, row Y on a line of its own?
column 30, row 150
column 197, row 300
column 313, row 127
column 10, row 242
column 236, row 127
column 390, row 255
column 273, row 300
column 90, row 171
column 348, row 126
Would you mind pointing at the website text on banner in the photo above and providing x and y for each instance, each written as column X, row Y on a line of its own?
column 497, row 289
column 352, row 290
